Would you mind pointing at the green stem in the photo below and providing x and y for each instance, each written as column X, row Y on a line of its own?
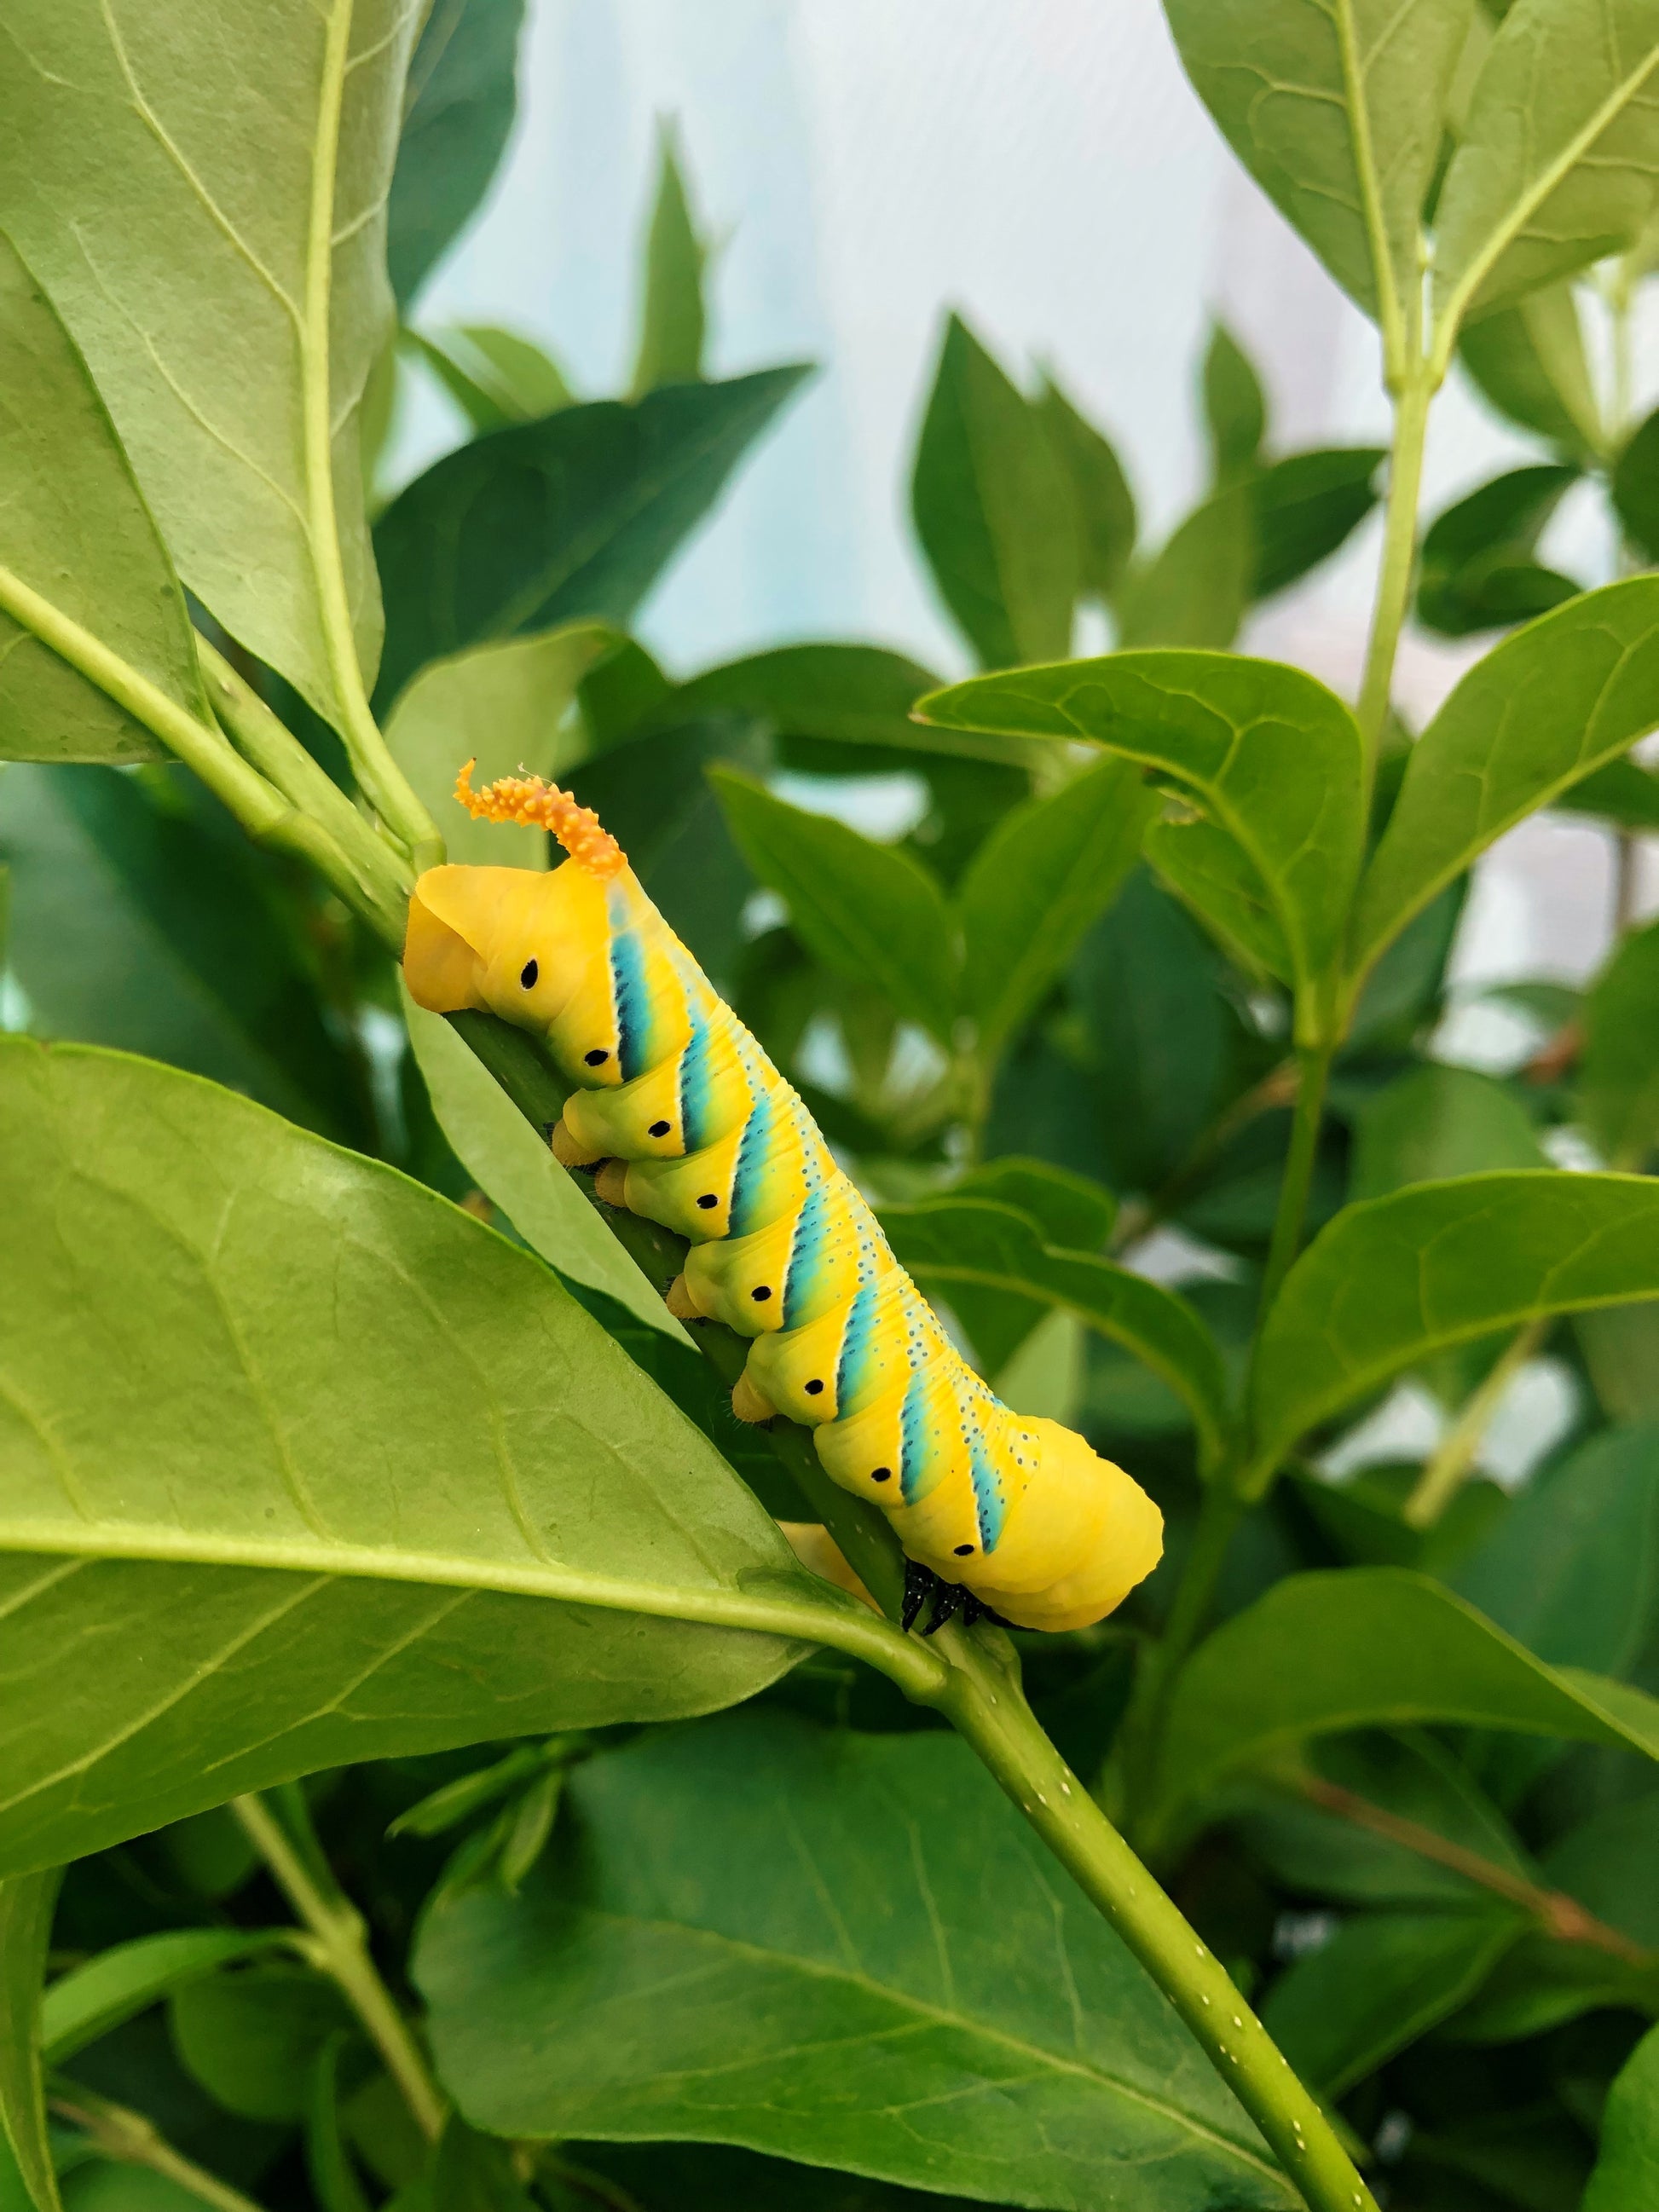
column 339, row 1949
column 129, row 2139
column 1455, row 1455
column 380, row 878
column 269, row 817
column 1411, row 419
column 1315, row 1061
column 987, row 1709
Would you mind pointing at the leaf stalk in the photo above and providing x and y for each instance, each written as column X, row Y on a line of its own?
column 127, row 2139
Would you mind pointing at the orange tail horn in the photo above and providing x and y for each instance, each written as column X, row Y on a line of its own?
column 544, row 807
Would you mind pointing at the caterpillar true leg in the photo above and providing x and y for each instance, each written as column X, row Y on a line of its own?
column 690, row 1124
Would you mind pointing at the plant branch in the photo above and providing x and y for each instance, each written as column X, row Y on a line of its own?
column 269, row 817
column 1410, row 419
column 1315, row 1061
column 1454, row 1455
column 1559, row 1915
column 129, row 2139
column 339, row 1949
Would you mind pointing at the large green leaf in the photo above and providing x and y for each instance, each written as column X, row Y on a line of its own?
column 1043, row 875
column 1270, row 756
column 812, row 1908
column 1477, row 570
column 1392, row 1279
column 507, row 706
column 462, row 97
column 868, row 912
column 1194, row 589
column 1627, row 2172
column 548, row 521
column 75, row 530
column 201, row 185
column 1555, row 168
column 1529, row 361
column 1573, row 1570
column 1622, row 792
column 1384, row 1979
column 1571, row 691
column 1368, row 1646
column 429, row 1501
column 1618, row 1077
column 515, row 1169
column 994, row 510
column 672, row 314
column 1334, row 108
column 996, row 1247
column 26, row 1902
column 140, row 919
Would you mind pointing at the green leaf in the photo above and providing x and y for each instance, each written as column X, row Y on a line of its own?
column 1194, row 590
column 221, row 263
column 253, row 2037
column 1621, row 792
column 1555, row 166
column 671, row 316
column 1100, row 490
column 142, row 920
column 75, row 530
column 458, row 115
column 328, row 2162
column 851, row 695
column 1627, row 2172
column 1394, row 1649
column 1394, row 1279
column 548, row 521
column 1477, row 570
column 994, row 510
column 1618, row 1095
column 474, row 2172
column 1384, row 1979
column 1046, row 871
column 811, row 1905
column 1528, row 362
column 1620, row 1345
column 1069, row 1210
column 507, row 706
column 27, row 1902
column 1323, row 1853
column 1235, row 410
column 1542, row 1982
column 1146, row 984
column 1607, row 1864
column 714, row 2178
column 951, row 1240
column 430, row 1504
column 1305, row 507
column 1335, row 111
column 493, row 375
column 516, row 1171
column 867, row 912
column 1271, row 756
column 1434, row 1122
column 114, row 1986
column 1567, row 694
column 1636, row 487
column 1573, row 1570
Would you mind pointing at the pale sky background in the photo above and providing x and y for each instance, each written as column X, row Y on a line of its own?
column 1041, row 165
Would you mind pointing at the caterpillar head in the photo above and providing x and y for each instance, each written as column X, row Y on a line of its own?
column 512, row 941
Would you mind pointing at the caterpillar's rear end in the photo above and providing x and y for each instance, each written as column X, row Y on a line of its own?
column 690, row 1124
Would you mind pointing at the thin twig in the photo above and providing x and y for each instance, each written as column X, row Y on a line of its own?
column 1559, row 1915
column 129, row 2139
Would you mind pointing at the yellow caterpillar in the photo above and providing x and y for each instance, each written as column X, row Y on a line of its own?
column 696, row 1129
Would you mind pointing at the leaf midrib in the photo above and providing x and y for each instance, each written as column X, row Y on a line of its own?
column 941, row 2016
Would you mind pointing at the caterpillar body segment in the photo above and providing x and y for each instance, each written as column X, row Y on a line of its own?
column 697, row 1130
